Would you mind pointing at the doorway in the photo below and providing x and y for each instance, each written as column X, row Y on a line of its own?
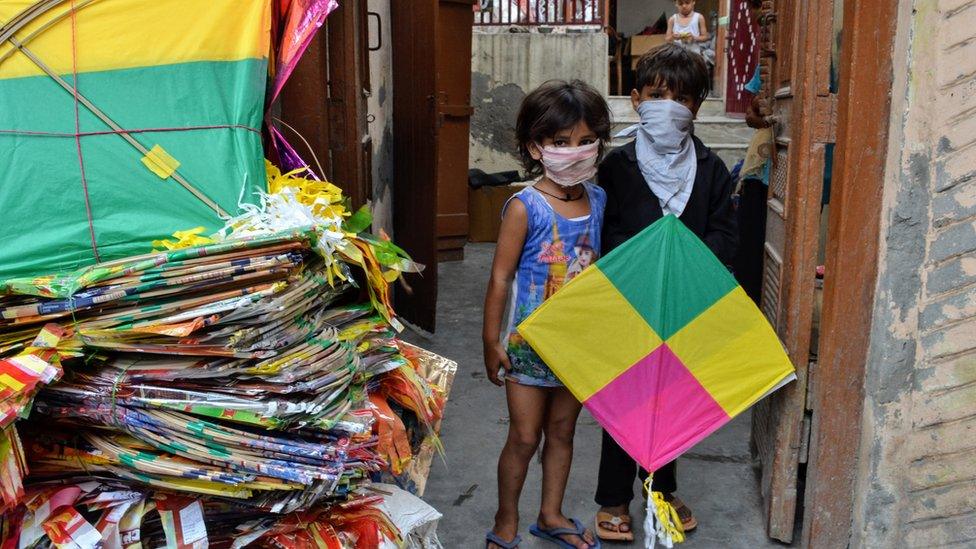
column 637, row 26
column 431, row 112
column 795, row 40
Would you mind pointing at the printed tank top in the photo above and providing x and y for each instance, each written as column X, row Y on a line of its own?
column 556, row 249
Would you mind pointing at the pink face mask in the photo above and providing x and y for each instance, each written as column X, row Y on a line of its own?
column 569, row 166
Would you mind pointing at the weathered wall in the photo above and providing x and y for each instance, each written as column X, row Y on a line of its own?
column 917, row 467
column 380, row 108
column 634, row 15
column 506, row 66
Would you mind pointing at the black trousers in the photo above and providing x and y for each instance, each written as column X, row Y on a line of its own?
column 748, row 263
column 615, row 485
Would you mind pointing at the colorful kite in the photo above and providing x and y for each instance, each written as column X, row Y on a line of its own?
column 295, row 25
column 659, row 343
column 124, row 120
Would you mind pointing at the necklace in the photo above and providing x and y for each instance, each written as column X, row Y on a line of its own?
column 567, row 198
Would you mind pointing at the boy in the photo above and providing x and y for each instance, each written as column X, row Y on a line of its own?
column 666, row 170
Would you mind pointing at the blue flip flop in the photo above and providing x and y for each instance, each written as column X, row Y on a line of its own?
column 553, row 534
column 492, row 537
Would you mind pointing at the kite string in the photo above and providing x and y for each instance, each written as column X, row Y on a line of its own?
column 81, row 156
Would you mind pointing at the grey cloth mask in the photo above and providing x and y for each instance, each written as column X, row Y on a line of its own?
column 666, row 151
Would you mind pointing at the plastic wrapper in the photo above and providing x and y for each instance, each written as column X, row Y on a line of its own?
column 295, row 25
column 209, row 388
column 231, row 381
column 415, row 520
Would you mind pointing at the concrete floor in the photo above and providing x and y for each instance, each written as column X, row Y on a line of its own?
column 715, row 478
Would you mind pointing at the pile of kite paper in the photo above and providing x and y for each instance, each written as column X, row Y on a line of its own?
column 214, row 360
column 247, row 379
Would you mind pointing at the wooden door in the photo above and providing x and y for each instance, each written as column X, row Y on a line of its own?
column 866, row 64
column 795, row 37
column 349, row 86
column 452, row 125
column 323, row 105
column 742, row 55
column 431, row 106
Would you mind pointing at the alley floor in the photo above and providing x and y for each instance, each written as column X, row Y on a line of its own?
column 715, row 478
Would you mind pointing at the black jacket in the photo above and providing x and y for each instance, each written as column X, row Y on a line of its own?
column 631, row 206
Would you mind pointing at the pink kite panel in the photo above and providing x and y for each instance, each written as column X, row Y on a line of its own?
column 678, row 413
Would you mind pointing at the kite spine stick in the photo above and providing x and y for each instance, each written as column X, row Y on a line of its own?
column 54, row 20
column 115, row 127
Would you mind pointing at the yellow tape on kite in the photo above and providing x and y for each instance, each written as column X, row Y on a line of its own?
column 161, row 163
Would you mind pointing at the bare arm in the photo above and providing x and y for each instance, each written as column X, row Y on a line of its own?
column 757, row 114
column 511, row 238
column 703, row 29
column 670, row 36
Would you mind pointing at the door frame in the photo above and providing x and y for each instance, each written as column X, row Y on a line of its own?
column 413, row 30
column 867, row 43
column 796, row 52
column 348, row 85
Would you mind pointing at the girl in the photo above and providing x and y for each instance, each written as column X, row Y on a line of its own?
column 562, row 129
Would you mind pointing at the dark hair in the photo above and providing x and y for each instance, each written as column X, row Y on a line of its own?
column 681, row 70
column 755, row 4
column 557, row 105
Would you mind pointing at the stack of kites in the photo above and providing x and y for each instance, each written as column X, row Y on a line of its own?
column 214, row 361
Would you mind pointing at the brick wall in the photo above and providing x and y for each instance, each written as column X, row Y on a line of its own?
column 917, row 481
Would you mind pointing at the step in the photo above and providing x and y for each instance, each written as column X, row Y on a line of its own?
column 710, row 129
column 621, row 107
column 713, row 106
column 730, row 153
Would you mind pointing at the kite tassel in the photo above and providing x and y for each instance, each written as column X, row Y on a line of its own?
column 661, row 522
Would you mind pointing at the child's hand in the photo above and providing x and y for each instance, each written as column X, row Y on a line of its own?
column 496, row 359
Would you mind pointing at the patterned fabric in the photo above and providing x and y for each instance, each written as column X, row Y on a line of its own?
column 556, row 249
column 761, row 139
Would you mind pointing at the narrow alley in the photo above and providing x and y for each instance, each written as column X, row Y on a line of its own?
column 715, row 478
column 741, row 234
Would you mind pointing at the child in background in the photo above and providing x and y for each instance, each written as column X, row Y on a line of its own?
column 687, row 26
column 666, row 170
column 547, row 230
column 754, row 185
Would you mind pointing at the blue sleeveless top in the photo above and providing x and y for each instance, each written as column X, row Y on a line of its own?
column 556, row 249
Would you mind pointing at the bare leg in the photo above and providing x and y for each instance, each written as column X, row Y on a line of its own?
column 526, row 410
column 557, row 457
